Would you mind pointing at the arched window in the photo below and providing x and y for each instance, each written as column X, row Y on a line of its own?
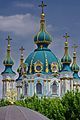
column 38, row 88
column 25, row 88
column 54, row 88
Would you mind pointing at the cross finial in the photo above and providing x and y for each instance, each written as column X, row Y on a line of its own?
column 66, row 36
column 21, row 49
column 74, row 47
column 42, row 6
column 8, row 39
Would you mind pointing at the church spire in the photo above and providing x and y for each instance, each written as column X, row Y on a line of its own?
column 8, row 62
column 8, row 47
column 22, row 67
column 42, row 21
column 66, row 43
column 74, row 66
column 66, row 58
column 21, row 59
column 74, row 53
column 42, row 39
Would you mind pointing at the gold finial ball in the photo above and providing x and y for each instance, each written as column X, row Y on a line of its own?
column 66, row 43
column 42, row 16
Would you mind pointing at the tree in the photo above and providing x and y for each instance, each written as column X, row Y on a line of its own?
column 71, row 103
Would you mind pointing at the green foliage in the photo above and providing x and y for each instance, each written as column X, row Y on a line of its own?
column 71, row 103
column 50, row 107
column 4, row 102
column 65, row 108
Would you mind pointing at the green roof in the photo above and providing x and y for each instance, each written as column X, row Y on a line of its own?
column 42, row 55
column 8, row 70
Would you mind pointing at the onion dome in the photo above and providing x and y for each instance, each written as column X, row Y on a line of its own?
column 42, row 60
column 13, row 112
column 66, row 59
column 8, row 62
column 74, row 66
column 42, row 38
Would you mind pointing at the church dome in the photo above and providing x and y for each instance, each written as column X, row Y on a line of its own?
column 8, row 62
column 42, row 60
column 66, row 59
column 42, row 38
column 75, row 67
column 19, row 113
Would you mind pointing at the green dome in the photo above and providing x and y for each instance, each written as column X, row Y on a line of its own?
column 66, row 59
column 8, row 61
column 75, row 67
column 43, row 37
column 44, row 57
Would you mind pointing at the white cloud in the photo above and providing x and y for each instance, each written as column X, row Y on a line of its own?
column 22, row 25
column 27, row 5
column 19, row 24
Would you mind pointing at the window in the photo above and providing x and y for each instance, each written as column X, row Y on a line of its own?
column 54, row 67
column 38, row 88
column 25, row 88
column 54, row 88
column 38, row 66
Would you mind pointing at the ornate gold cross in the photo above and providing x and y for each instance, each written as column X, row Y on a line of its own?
column 66, row 36
column 8, row 39
column 42, row 6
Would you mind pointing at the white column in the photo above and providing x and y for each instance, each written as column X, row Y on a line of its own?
column 32, row 87
column 44, row 88
column 49, row 87
column 3, row 90
column 28, row 88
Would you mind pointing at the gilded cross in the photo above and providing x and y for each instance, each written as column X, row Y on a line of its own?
column 74, row 47
column 8, row 39
column 22, row 49
column 66, row 36
column 42, row 6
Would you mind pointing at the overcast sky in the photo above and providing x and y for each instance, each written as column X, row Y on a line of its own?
column 20, row 19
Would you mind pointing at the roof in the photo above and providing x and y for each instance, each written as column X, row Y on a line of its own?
column 42, row 38
column 66, row 59
column 19, row 113
column 41, row 55
column 76, row 76
column 8, row 70
column 66, row 67
column 75, row 67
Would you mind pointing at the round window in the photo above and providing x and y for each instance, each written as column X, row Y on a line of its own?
column 38, row 68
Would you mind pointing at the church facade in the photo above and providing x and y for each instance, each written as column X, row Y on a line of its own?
column 42, row 73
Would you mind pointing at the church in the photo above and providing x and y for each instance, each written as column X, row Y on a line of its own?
column 41, row 73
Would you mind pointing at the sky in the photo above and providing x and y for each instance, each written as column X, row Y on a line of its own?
column 20, row 19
